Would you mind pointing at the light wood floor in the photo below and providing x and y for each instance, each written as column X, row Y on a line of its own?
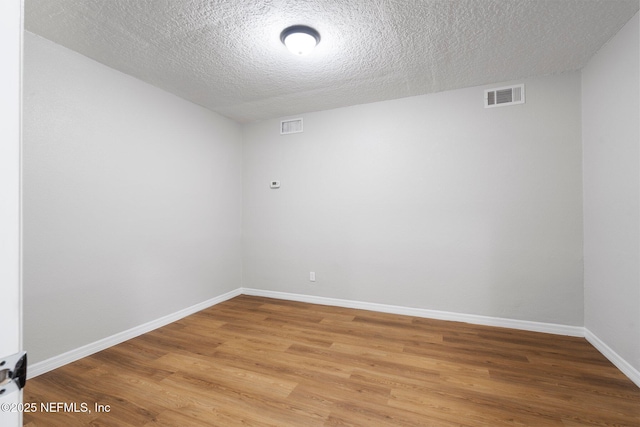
column 262, row 362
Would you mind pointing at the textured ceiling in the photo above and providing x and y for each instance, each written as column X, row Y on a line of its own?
column 227, row 56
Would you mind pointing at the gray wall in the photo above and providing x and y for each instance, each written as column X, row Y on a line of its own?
column 132, row 201
column 611, row 111
column 429, row 202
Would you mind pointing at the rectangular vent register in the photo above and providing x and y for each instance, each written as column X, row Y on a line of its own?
column 290, row 126
column 503, row 96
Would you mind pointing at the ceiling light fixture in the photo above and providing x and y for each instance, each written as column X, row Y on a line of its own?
column 300, row 39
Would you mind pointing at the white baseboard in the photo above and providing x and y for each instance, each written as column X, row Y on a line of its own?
column 87, row 350
column 550, row 328
column 615, row 358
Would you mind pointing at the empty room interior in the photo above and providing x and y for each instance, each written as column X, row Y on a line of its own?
column 432, row 218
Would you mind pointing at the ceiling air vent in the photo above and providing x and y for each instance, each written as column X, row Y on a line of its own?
column 502, row 96
column 290, row 126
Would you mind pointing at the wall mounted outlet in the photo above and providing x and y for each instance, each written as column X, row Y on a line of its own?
column 312, row 276
column 274, row 184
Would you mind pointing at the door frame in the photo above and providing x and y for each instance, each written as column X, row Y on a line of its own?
column 11, row 35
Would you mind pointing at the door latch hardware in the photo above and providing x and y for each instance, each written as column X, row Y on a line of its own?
column 13, row 373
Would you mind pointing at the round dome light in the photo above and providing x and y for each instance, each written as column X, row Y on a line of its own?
column 300, row 39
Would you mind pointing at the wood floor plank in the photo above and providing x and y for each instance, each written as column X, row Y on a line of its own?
column 256, row 361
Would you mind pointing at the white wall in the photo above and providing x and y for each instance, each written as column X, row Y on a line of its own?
column 611, row 111
column 428, row 202
column 132, row 201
